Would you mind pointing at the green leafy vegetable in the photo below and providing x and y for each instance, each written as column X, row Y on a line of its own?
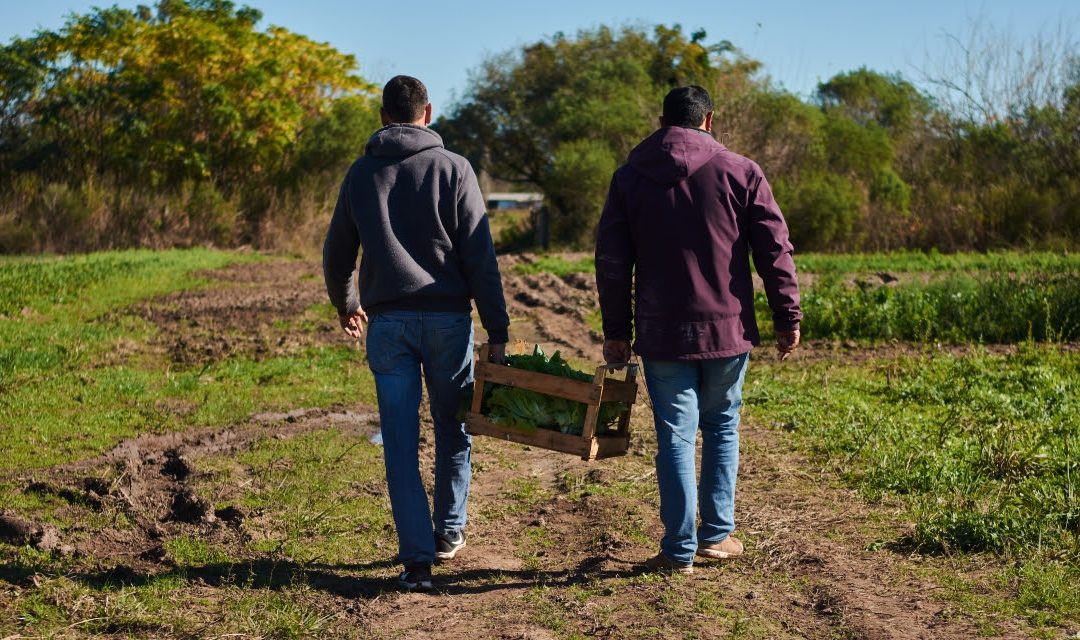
column 529, row 410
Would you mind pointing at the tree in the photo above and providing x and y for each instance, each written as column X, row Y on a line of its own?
column 189, row 91
column 562, row 113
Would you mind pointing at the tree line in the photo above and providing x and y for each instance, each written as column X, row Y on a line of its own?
column 870, row 162
column 174, row 125
column 185, row 123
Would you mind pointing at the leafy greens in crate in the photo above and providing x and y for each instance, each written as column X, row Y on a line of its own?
column 529, row 410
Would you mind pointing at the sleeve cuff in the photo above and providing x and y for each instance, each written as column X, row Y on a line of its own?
column 499, row 335
column 785, row 325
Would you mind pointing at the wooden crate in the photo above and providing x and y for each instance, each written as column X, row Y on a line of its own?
column 589, row 445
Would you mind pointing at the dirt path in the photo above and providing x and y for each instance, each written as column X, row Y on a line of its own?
column 554, row 541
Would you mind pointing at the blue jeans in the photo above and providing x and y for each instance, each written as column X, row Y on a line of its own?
column 399, row 345
column 687, row 395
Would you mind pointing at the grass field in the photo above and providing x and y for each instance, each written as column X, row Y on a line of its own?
column 247, row 498
column 980, row 448
column 896, row 262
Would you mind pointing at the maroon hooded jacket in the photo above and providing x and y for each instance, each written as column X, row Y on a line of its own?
column 682, row 218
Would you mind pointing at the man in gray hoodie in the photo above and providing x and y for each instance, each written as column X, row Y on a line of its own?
column 416, row 210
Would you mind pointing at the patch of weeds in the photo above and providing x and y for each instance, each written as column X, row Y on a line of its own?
column 706, row 603
column 995, row 308
column 557, row 265
column 311, row 494
column 547, row 609
column 187, row 551
column 38, row 610
column 577, row 485
column 989, row 603
column 526, row 493
column 978, row 450
column 284, row 615
column 17, row 564
column 908, row 261
column 533, row 545
column 977, row 447
column 1047, row 592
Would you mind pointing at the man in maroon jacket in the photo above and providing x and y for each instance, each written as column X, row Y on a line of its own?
column 682, row 219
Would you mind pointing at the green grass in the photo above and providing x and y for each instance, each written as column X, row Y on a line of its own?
column 932, row 261
column 172, row 606
column 61, row 309
column 557, row 265
column 896, row 262
column 311, row 491
column 982, row 449
column 981, row 298
column 75, row 414
column 189, row 551
column 75, row 376
column 958, row 309
column 39, row 283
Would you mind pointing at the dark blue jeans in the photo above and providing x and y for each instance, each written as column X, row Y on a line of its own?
column 686, row 396
column 401, row 345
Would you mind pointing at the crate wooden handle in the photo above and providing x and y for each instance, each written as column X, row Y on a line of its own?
column 478, row 385
column 631, row 368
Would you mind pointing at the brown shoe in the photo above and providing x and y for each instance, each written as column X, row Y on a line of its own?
column 663, row 564
column 728, row 548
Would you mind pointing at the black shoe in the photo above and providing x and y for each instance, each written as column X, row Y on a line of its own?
column 447, row 546
column 415, row 577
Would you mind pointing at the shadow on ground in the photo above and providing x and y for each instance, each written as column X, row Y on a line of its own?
column 333, row 579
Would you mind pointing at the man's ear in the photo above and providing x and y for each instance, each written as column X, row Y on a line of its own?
column 383, row 117
column 427, row 114
column 708, row 121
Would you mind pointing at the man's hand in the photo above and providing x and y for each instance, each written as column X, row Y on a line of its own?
column 616, row 351
column 786, row 341
column 353, row 324
column 497, row 353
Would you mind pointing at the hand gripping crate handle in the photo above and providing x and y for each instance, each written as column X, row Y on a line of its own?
column 631, row 367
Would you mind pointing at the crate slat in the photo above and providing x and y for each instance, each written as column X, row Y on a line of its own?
column 606, row 446
column 541, row 383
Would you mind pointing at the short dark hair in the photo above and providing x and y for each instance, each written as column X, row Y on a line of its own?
column 686, row 106
column 404, row 99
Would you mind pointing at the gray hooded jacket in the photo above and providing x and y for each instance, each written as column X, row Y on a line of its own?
column 416, row 210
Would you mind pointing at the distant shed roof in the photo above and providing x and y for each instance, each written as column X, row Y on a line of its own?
column 516, row 197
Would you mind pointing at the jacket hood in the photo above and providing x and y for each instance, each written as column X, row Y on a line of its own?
column 401, row 140
column 672, row 154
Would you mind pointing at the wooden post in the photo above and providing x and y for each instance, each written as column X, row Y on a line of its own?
column 592, row 414
column 624, row 419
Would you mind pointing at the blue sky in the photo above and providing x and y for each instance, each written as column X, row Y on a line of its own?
column 800, row 42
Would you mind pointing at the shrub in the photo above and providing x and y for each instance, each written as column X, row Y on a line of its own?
column 821, row 210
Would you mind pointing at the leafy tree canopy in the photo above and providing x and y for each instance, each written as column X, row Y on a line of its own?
column 186, row 90
column 562, row 113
